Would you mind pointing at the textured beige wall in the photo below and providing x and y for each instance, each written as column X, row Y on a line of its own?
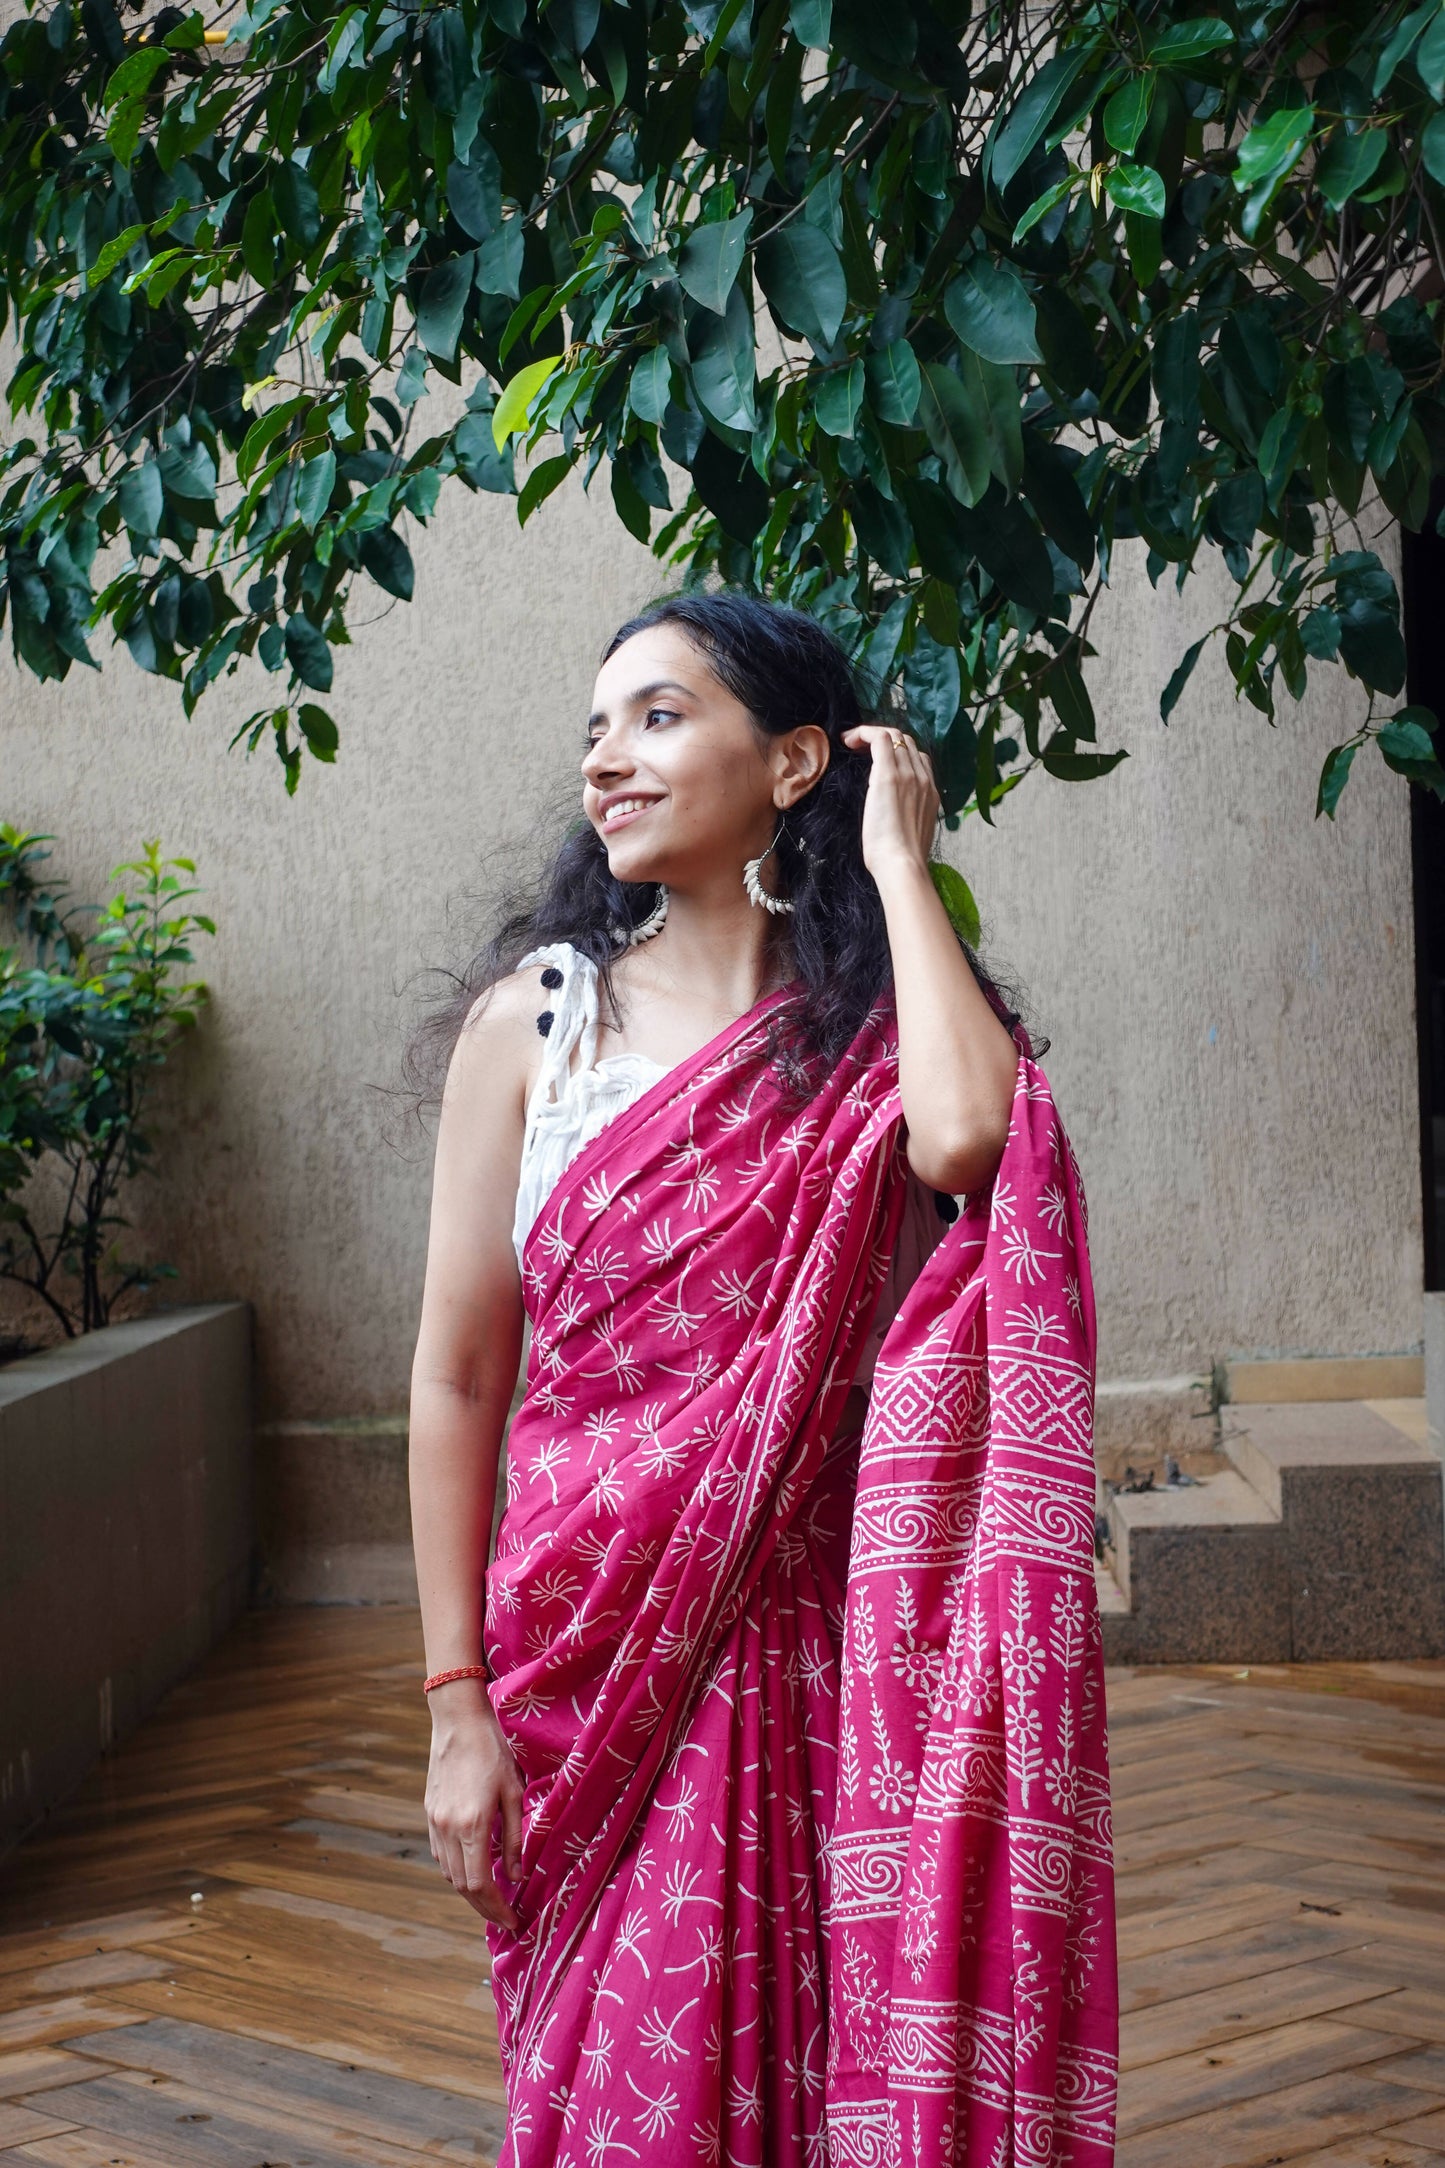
column 1227, row 984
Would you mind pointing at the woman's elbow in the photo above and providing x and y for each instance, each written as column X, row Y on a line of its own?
column 963, row 1160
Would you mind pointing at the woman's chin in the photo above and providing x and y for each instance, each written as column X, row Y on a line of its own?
column 633, row 866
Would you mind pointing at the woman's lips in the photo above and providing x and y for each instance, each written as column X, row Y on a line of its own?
column 624, row 815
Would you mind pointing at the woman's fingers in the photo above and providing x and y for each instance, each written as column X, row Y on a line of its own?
column 481, row 1890
column 465, row 1860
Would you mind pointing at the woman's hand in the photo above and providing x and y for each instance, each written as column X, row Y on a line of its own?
column 900, row 813
column 471, row 1780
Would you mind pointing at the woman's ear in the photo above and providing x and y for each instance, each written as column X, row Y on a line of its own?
column 799, row 758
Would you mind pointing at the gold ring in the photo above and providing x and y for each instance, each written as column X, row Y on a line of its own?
column 897, row 737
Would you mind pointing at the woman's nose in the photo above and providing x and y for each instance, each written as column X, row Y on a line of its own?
column 605, row 756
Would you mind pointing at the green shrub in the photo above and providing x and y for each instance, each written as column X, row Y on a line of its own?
column 92, row 1000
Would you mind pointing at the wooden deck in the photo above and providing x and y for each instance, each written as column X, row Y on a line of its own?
column 233, row 1949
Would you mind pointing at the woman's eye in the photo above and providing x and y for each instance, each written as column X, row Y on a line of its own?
column 661, row 715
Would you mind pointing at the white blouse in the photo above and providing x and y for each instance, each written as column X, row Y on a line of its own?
column 570, row 1104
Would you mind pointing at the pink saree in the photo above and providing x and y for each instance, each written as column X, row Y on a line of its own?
column 817, row 1859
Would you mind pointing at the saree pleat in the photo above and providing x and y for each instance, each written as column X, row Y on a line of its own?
column 816, row 1851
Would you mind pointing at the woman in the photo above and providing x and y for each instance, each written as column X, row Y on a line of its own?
column 770, row 1745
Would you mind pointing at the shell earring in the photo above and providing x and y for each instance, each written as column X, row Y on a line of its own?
column 756, row 891
column 654, row 922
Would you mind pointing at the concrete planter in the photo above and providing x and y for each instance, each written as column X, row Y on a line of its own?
column 125, row 1536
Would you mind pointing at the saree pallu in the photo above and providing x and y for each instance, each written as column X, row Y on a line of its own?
column 816, row 1865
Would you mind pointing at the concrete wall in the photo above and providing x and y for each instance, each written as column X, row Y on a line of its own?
column 1227, row 983
column 125, row 1536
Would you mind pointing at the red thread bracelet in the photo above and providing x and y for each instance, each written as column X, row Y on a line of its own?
column 463, row 1671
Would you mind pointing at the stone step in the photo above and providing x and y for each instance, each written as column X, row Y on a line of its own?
column 1198, row 1572
column 1359, row 1500
column 1321, row 1541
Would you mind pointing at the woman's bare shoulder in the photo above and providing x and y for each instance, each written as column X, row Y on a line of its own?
column 497, row 1045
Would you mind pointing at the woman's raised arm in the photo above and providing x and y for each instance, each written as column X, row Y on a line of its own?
column 463, row 1377
column 957, row 1065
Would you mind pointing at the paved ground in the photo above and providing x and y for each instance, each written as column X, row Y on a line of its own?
column 233, row 1949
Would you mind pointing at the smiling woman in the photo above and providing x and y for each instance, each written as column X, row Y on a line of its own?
column 770, row 1745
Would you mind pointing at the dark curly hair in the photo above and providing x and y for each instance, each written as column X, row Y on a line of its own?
column 786, row 670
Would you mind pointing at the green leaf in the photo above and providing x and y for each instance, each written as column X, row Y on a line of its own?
column 265, row 430
column 308, row 653
column 1136, row 188
column 499, row 260
column 1397, row 47
column 893, row 383
column 443, row 299
column 123, row 134
column 1042, row 205
column 298, row 207
column 512, row 410
column 1430, row 59
column 1055, row 496
column 1272, row 148
column 1071, row 767
column 1023, row 125
column 479, row 460
column 113, row 253
column 548, row 475
column 1405, row 742
column 258, row 239
column 1178, row 678
column 1069, row 695
column 314, row 485
column 1371, row 645
column 135, row 74
column 1320, row 634
column 1333, row 777
column 932, row 686
column 630, row 505
column 189, row 470
column 956, row 430
column 650, row 385
column 410, row 382
column 142, row 499
column 1126, row 113
column 730, row 487
column 993, row 393
column 711, row 258
column 838, row 398
column 1347, row 163
column 474, row 192
column 883, row 531
column 1009, row 547
column 812, row 23
column 1432, row 149
column 957, row 899
column 801, row 273
column 388, row 560
column 446, row 59
column 990, row 311
column 723, row 364
column 316, row 727
column 1189, row 41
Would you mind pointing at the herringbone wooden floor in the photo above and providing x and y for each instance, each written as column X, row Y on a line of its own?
column 233, row 1950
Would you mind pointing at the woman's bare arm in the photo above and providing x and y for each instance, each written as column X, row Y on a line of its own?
column 463, row 1375
column 957, row 1065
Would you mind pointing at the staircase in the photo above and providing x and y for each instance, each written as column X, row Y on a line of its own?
column 1316, row 1536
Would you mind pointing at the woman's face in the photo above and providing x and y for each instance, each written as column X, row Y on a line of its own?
column 676, row 779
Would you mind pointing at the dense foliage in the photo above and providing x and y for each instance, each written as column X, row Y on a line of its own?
column 91, row 1004
column 907, row 313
